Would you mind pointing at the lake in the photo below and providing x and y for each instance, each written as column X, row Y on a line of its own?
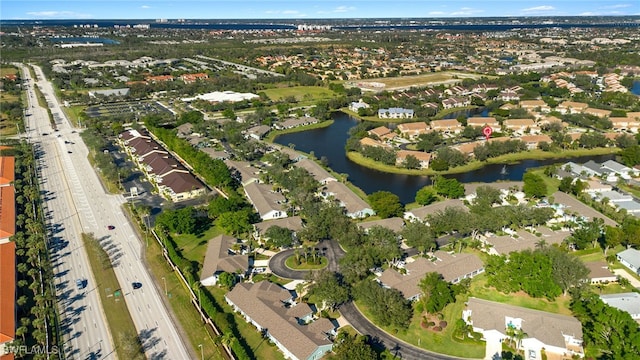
column 329, row 142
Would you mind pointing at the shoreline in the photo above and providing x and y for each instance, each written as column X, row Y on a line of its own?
column 475, row 165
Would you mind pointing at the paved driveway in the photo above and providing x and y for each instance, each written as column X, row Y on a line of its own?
column 623, row 273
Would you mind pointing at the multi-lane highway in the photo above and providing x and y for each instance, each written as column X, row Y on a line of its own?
column 83, row 324
column 84, row 206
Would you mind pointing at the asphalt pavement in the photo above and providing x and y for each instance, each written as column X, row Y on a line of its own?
column 95, row 211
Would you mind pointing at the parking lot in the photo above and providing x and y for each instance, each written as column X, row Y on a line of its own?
column 139, row 108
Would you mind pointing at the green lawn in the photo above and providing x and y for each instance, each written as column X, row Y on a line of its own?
column 290, row 263
column 180, row 301
column 551, row 183
column 301, row 93
column 261, row 348
column 274, row 134
column 119, row 320
column 559, row 305
column 440, row 342
column 193, row 247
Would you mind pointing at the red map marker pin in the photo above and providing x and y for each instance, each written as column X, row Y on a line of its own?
column 487, row 131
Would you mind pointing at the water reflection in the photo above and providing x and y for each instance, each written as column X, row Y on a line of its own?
column 329, row 143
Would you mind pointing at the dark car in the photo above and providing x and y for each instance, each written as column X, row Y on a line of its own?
column 136, row 285
column 111, row 227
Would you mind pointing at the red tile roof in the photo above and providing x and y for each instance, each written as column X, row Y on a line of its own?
column 7, row 170
column 7, row 292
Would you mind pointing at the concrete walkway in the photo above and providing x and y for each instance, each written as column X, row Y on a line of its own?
column 623, row 273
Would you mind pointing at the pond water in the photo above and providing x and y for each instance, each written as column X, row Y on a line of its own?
column 635, row 89
column 329, row 142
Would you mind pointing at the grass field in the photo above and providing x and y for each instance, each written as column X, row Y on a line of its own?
column 301, row 93
column 119, row 320
column 290, row 263
column 440, row 342
column 4, row 71
column 559, row 305
column 421, row 80
column 193, row 247
column 179, row 299
column 262, row 349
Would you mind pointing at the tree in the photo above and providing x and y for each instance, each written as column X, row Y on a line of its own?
column 352, row 347
column 329, row 289
column 450, row 188
column 279, row 237
column 411, row 162
column 568, row 270
column 610, row 330
column 426, row 195
column 631, row 155
column 386, row 204
column 566, row 184
column 534, row 185
column 436, row 292
column 388, row 306
column 419, row 235
column 613, row 237
column 226, row 280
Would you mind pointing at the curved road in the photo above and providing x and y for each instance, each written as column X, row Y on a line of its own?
column 332, row 250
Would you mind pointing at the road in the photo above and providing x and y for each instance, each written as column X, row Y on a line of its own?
column 96, row 211
column 334, row 252
column 83, row 324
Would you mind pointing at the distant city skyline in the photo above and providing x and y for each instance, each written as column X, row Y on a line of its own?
column 300, row 9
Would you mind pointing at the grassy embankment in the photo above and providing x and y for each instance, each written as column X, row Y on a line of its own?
column 275, row 133
column 193, row 248
column 304, row 95
column 474, row 164
column 180, row 301
column 123, row 331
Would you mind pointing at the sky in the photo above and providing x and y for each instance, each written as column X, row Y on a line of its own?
column 300, row 9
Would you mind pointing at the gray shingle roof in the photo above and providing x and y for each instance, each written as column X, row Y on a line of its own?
column 263, row 302
column 544, row 326
column 218, row 257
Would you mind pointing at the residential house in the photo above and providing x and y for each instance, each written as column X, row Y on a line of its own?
column 293, row 223
column 380, row 132
column 184, row 130
column 535, row 104
column 367, row 141
column 599, row 273
column 631, row 259
column 595, row 168
column 160, row 78
column 191, row 78
column 258, row 132
column 355, row 207
column 244, row 171
column 421, row 213
column 559, row 335
column 627, row 302
column 483, row 122
column 452, row 267
column 221, row 257
column 290, row 326
column 595, row 186
column 423, row 157
column 522, row 240
column 466, row 148
column 268, row 203
column 446, row 126
column 394, row 224
column 625, row 124
column 521, row 125
column 7, row 198
column 413, row 130
column 180, row 186
column 296, row 122
column 623, row 171
column 533, row 141
column 7, row 254
column 455, row 102
column 507, row 95
column 571, row 107
column 597, row 112
column 395, row 113
column 355, row 106
column 319, row 174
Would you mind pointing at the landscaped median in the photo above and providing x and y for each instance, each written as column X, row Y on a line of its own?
column 123, row 331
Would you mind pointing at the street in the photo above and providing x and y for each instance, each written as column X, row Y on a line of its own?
column 85, row 207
